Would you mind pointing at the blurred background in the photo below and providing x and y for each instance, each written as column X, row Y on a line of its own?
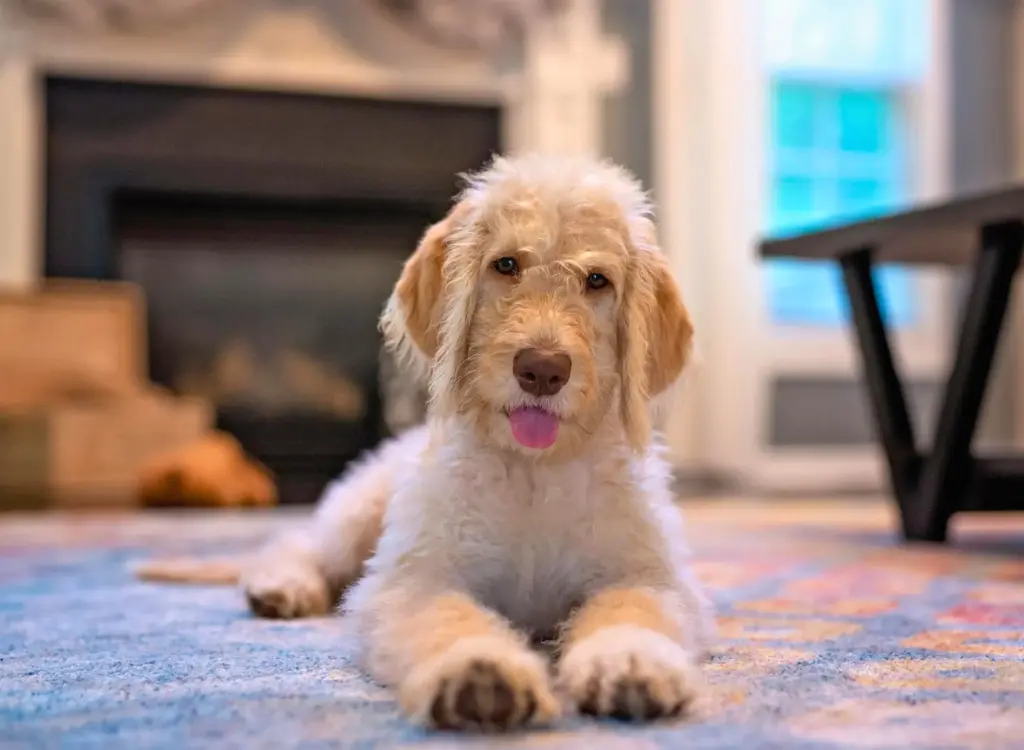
column 204, row 204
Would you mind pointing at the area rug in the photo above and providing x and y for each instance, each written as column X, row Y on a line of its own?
column 833, row 635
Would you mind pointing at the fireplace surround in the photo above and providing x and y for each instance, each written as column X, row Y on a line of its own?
column 266, row 230
column 111, row 205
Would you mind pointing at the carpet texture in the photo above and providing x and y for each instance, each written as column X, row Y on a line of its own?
column 832, row 636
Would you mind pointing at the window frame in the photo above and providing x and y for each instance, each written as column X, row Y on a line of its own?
column 709, row 98
column 922, row 351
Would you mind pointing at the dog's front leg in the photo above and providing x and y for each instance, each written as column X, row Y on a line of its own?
column 456, row 664
column 302, row 573
column 629, row 653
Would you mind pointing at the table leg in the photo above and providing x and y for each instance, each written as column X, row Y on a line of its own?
column 892, row 420
column 946, row 471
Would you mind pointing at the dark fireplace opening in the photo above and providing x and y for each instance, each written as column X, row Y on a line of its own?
column 269, row 310
column 266, row 231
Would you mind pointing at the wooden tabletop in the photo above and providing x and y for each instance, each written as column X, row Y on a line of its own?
column 938, row 234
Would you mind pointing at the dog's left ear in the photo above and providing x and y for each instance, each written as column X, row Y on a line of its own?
column 655, row 335
column 411, row 318
column 425, row 318
column 411, row 321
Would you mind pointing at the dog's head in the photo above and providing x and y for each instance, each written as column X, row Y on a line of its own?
column 542, row 307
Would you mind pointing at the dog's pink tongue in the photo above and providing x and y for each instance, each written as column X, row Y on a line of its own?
column 533, row 427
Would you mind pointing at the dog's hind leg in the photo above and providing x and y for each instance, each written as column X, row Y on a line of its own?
column 303, row 573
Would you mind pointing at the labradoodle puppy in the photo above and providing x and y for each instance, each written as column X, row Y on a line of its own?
column 533, row 505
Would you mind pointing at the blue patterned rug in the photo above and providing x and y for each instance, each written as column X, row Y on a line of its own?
column 833, row 636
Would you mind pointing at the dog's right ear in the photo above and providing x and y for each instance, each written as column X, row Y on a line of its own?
column 655, row 335
column 411, row 320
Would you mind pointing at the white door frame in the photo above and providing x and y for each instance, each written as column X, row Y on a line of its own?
column 711, row 160
column 675, row 145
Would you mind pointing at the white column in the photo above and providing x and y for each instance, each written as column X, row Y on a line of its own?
column 569, row 65
column 20, row 167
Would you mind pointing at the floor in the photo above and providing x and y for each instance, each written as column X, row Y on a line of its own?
column 833, row 635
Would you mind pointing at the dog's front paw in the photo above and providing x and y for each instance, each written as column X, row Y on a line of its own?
column 285, row 589
column 481, row 684
column 629, row 673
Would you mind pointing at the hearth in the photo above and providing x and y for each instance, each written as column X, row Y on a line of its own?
column 266, row 230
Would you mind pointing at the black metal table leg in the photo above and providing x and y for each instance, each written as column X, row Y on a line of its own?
column 946, row 471
column 885, row 391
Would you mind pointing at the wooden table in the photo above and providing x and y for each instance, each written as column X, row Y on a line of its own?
column 987, row 232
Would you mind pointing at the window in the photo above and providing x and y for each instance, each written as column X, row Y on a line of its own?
column 837, row 141
column 835, row 155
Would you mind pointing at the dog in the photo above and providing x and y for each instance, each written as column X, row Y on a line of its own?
column 534, row 506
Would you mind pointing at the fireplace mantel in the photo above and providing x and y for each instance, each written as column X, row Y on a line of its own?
column 549, row 88
column 312, row 47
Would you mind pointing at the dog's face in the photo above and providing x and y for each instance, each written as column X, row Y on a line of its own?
column 542, row 307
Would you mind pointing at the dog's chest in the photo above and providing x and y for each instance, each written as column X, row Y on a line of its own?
column 537, row 554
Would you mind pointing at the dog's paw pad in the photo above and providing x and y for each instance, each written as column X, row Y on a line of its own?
column 632, row 697
column 483, row 696
column 270, row 604
column 287, row 592
column 639, row 676
column 479, row 692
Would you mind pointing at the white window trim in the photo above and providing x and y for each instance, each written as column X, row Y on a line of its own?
column 709, row 148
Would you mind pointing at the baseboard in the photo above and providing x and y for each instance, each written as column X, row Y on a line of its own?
column 791, row 474
column 692, row 482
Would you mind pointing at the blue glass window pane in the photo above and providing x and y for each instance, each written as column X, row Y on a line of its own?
column 794, row 106
column 810, row 293
column 896, row 296
column 864, row 118
column 792, row 203
column 858, row 198
column 805, row 293
column 834, row 159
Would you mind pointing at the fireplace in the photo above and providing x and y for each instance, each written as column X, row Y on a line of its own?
column 266, row 230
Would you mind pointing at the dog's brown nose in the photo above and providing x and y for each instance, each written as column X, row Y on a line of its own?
column 541, row 373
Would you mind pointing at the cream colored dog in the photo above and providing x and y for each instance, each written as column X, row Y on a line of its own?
column 534, row 504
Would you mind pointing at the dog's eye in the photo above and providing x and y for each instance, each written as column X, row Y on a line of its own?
column 506, row 266
column 597, row 281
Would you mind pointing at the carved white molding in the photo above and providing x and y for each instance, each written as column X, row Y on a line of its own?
column 479, row 25
column 475, row 24
column 315, row 46
column 551, row 96
column 103, row 14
